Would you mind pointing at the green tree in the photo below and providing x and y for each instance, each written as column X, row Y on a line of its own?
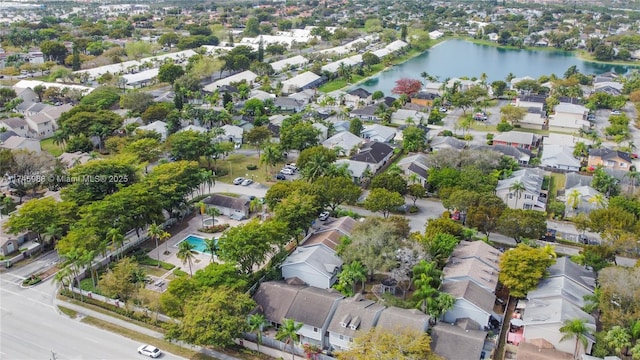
column 102, row 97
column 155, row 231
column 288, row 332
column 390, row 181
column 337, row 190
column 188, row 145
column 383, row 200
column 414, row 139
column 136, row 101
column 349, row 277
column 619, row 339
column 415, row 192
column 271, row 156
column 216, row 317
column 522, row 268
column 257, row 323
column 123, row 281
column 54, row 50
column 37, row 215
column 147, row 150
column 257, row 137
column 512, row 114
column 298, row 134
column 186, row 254
column 575, row 329
column 170, row 72
column 520, row 224
column 119, row 170
column 298, row 211
column 426, row 279
column 355, row 126
column 396, row 344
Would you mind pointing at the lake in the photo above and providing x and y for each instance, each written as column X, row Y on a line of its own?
column 459, row 58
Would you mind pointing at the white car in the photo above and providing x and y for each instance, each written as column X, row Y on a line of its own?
column 616, row 112
column 287, row 171
column 238, row 181
column 247, row 182
column 324, row 216
column 150, row 351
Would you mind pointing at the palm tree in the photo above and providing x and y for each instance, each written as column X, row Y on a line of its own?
column 574, row 198
column 619, row 339
column 427, row 279
column 598, row 200
column 517, row 188
column 257, row 323
column 164, row 236
column 64, row 277
column 315, row 167
column 211, row 245
column 575, row 328
column 155, row 231
column 353, row 273
column 288, row 332
column 117, row 239
column 186, row 254
column 255, row 205
column 271, row 155
column 53, row 232
column 633, row 176
column 213, row 212
column 208, row 177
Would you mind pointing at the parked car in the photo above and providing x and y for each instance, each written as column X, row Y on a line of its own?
column 287, row 171
column 615, row 112
column 549, row 236
column 582, row 238
column 324, row 216
column 281, row 177
column 150, row 351
column 442, row 109
column 247, row 182
column 291, row 166
column 480, row 116
column 238, row 181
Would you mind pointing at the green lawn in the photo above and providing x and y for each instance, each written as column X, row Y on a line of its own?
column 557, row 182
column 236, row 166
column 48, row 146
column 333, row 85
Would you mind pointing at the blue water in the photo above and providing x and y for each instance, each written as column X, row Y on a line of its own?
column 458, row 58
column 198, row 243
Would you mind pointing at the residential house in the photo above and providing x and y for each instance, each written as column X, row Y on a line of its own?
column 232, row 133
column 376, row 154
column 378, row 133
column 292, row 62
column 340, row 126
column 353, row 317
column 288, row 104
column 75, row 158
column 559, row 297
column 323, row 131
column 312, row 307
column 575, row 179
column 463, row 340
column 158, row 126
column 521, row 155
column 472, row 269
column 517, row 139
column 424, row 98
column 394, row 318
column 247, row 76
column 18, row 125
column 305, row 96
column 329, row 232
column 517, row 80
column 27, row 95
column 21, row 143
column 415, row 166
column 564, row 139
column 359, row 170
column 30, row 108
column 316, row 265
column 569, row 118
column 306, row 80
column 408, row 117
column 357, row 96
column 583, row 199
column 438, row 143
column 531, row 197
column 535, row 118
column 6, row 134
column 487, row 254
column 10, row 244
column 608, row 87
column 194, row 128
column 472, row 301
column 367, row 113
column 559, row 157
column 609, row 159
column 234, row 207
column 343, row 142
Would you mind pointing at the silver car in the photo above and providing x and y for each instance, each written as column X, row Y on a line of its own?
column 150, row 351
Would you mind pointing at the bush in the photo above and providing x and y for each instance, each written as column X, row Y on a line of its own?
column 214, row 228
column 413, row 209
column 146, row 260
column 489, row 136
column 446, row 133
column 504, row 126
column 252, row 167
column 179, row 273
column 344, row 212
column 31, row 281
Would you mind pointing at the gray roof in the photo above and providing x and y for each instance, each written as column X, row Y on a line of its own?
column 14, row 122
column 6, row 135
column 286, row 102
column 560, row 287
column 579, row 274
column 274, row 299
column 471, row 292
column 356, row 168
column 225, row 201
column 558, row 155
column 374, row 153
column 479, row 250
column 312, row 306
column 531, row 178
column 516, row 137
column 355, row 314
column 606, row 153
column 456, row 343
column 575, row 179
column 369, row 110
column 319, row 258
column 553, row 311
column 360, row 92
column 393, row 318
column 449, row 141
column 512, row 151
column 344, row 140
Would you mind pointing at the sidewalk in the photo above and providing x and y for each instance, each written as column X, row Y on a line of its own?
column 140, row 329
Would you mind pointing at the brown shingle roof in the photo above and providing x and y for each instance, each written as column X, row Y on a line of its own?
column 312, row 306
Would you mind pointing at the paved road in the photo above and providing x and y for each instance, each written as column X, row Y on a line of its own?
column 31, row 328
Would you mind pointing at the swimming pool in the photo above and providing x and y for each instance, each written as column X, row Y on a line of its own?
column 197, row 242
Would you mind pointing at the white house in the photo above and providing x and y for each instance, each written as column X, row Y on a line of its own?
column 158, row 126
column 315, row 265
column 530, row 196
column 234, row 207
column 357, row 169
column 417, row 165
column 306, row 80
column 248, row 76
column 569, row 118
column 343, row 142
column 378, row 133
column 21, row 143
column 289, row 63
column 472, row 301
column 353, row 316
column 583, row 199
column 232, row 133
column 559, row 157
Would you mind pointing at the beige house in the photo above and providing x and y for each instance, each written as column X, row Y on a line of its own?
column 569, row 118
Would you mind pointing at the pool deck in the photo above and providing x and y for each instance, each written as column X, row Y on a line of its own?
column 201, row 259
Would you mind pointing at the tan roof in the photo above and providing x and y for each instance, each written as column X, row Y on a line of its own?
column 39, row 118
column 528, row 351
column 455, row 343
column 344, row 224
column 477, row 249
column 473, row 269
column 312, row 306
column 330, row 239
column 54, row 112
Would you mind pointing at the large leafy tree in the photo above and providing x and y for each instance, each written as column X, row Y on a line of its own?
column 522, row 268
column 349, row 277
column 298, row 134
column 170, row 72
column 520, row 224
column 619, row 294
column 315, row 161
column 89, row 121
column 392, row 182
column 38, row 215
column 123, row 281
column 258, row 137
column 414, row 139
column 216, row 317
column 383, row 200
column 298, row 210
column 337, row 190
column 96, row 179
column 174, row 180
column 188, row 145
column 248, row 245
column 396, row 344
column 406, row 86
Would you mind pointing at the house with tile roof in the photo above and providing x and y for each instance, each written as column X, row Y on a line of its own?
column 21, row 143
column 517, row 139
column 329, row 232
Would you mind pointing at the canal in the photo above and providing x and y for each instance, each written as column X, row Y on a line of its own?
column 459, row 58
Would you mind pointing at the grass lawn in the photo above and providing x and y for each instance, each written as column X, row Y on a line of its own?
column 236, row 165
column 53, row 149
column 154, row 271
column 533, row 131
column 70, row 313
column 557, row 182
column 333, row 85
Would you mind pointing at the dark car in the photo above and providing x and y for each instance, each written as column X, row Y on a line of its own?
column 281, row 177
column 549, row 235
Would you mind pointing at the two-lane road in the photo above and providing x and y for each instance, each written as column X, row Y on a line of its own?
column 31, row 328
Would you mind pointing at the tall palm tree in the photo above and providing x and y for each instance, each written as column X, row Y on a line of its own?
column 634, row 176
column 213, row 212
column 271, row 155
column 598, row 200
column 288, row 332
column 574, row 198
column 211, row 245
column 517, row 188
column 64, row 277
column 164, row 236
column 427, row 279
column 575, row 329
column 155, row 231
column 186, row 254
column 208, row 177
column 257, row 323
column 116, row 237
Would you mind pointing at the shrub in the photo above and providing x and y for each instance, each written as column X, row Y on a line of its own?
column 504, row 126
column 146, row 260
column 489, row 136
column 214, row 228
column 252, row 167
column 31, row 280
column 446, row 133
column 179, row 273
column 413, row 209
